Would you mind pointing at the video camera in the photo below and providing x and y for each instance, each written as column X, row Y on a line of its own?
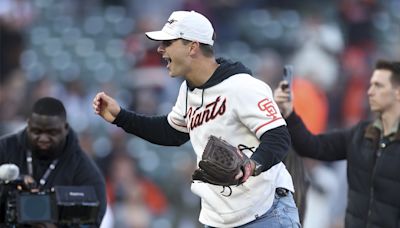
column 61, row 205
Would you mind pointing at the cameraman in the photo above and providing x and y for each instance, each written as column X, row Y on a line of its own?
column 48, row 153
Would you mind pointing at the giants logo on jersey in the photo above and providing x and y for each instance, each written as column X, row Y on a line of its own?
column 271, row 111
column 266, row 105
column 210, row 112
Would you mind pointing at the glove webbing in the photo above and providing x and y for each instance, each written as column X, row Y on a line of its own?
column 241, row 147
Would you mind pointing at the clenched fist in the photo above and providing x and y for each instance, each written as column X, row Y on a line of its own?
column 106, row 107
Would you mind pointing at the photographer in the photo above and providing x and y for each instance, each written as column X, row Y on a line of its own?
column 48, row 154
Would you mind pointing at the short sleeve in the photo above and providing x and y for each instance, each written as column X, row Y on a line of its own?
column 176, row 118
column 255, row 106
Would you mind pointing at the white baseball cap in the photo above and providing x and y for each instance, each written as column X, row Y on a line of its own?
column 188, row 25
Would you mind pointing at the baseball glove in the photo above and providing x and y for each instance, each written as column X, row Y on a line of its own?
column 220, row 163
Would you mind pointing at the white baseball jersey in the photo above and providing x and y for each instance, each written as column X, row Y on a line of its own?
column 239, row 110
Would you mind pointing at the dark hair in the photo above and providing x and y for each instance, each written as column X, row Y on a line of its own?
column 393, row 67
column 49, row 106
column 206, row 49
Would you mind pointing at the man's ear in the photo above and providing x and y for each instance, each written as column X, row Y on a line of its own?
column 396, row 91
column 194, row 47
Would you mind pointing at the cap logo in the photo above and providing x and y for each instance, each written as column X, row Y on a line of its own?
column 171, row 21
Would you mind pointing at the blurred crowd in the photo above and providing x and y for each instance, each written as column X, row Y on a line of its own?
column 71, row 49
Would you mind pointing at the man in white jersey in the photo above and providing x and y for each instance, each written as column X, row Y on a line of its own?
column 220, row 98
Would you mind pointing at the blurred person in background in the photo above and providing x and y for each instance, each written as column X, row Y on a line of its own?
column 48, row 153
column 13, row 83
column 135, row 199
column 221, row 98
column 371, row 148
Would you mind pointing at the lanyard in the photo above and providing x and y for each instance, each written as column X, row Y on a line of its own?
column 46, row 174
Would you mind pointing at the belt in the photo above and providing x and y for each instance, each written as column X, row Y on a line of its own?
column 282, row 192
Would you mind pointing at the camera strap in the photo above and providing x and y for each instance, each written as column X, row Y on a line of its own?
column 46, row 174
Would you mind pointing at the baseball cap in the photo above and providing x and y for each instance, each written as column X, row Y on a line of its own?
column 188, row 25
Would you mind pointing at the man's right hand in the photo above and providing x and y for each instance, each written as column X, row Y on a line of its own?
column 106, row 107
column 29, row 183
column 282, row 99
